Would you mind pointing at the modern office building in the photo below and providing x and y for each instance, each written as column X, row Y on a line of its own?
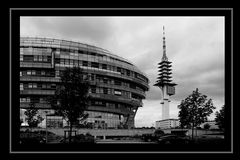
column 117, row 86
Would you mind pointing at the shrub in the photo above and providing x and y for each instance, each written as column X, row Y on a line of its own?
column 81, row 138
column 159, row 132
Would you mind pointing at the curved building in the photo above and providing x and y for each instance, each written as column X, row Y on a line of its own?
column 117, row 86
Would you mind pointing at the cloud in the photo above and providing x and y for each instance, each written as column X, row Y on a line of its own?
column 87, row 29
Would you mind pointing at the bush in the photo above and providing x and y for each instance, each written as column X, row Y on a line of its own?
column 31, row 138
column 81, row 138
column 159, row 132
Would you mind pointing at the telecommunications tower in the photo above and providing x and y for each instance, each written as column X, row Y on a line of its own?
column 164, row 81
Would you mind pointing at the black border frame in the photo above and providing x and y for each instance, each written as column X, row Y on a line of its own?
column 14, row 34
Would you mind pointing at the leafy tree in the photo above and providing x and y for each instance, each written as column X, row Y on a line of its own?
column 220, row 118
column 206, row 126
column 194, row 110
column 71, row 96
column 32, row 118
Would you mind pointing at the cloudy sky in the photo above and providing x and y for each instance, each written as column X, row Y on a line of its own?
column 195, row 45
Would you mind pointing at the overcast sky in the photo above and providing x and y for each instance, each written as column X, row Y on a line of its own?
column 195, row 46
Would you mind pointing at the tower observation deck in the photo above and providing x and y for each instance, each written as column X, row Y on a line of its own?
column 164, row 81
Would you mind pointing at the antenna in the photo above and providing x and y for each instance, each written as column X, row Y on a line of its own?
column 164, row 57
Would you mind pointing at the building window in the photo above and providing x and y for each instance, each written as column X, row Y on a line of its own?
column 104, row 66
column 20, row 73
column 43, row 73
column 53, row 86
column 118, row 69
column 44, row 58
column 117, row 92
column 34, row 85
column 30, row 85
column 21, row 57
column 44, row 86
column 29, row 73
column 71, row 62
column 48, row 86
column 105, row 80
column 39, row 58
column 21, row 86
column 105, row 91
column 116, row 82
column 94, row 65
column 85, row 63
column 66, row 61
column 93, row 90
column 49, row 58
column 132, row 86
column 35, row 58
column 76, row 62
column 128, row 73
column 33, row 72
column 57, row 60
column 57, row 73
column 28, row 58
column 61, row 61
column 28, row 99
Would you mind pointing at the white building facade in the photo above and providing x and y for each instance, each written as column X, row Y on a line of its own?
column 167, row 123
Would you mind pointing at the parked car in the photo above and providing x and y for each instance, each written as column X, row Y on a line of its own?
column 174, row 139
column 153, row 137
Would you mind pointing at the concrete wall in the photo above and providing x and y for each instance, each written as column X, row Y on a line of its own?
column 122, row 132
column 101, row 132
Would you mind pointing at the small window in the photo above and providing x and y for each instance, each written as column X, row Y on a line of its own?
column 30, row 85
column 118, row 69
column 21, row 57
column 128, row 73
column 34, row 85
column 104, row 66
column 93, row 90
column 66, row 61
column 85, row 63
column 44, row 58
column 105, row 91
column 44, row 86
column 71, row 62
column 29, row 73
column 105, row 80
column 39, row 58
column 35, row 58
column 43, row 73
column 117, row 92
column 21, row 86
column 57, row 60
column 116, row 82
column 95, row 65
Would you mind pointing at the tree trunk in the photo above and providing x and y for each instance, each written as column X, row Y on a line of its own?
column 192, row 130
column 70, row 133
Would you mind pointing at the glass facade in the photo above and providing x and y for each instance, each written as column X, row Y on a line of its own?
column 118, row 86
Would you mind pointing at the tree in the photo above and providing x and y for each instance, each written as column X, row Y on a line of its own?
column 32, row 118
column 194, row 110
column 71, row 96
column 206, row 126
column 220, row 118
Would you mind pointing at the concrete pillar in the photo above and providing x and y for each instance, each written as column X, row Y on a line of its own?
column 165, row 103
